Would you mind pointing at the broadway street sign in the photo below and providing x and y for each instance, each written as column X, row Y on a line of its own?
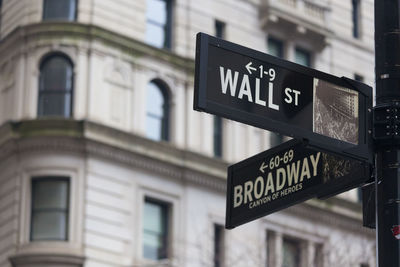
column 286, row 175
column 254, row 88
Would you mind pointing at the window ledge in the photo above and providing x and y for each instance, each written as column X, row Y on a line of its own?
column 159, row 263
column 34, row 260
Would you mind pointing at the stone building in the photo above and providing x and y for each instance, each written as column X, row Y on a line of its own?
column 103, row 162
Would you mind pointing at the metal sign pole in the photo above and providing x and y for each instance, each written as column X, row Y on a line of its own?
column 387, row 131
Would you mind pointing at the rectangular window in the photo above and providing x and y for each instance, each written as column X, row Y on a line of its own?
column 356, row 18
column 291, row 253
column 59, row 10
column 219, row 245
column 50, row 208
column 319, row 256
column 219, row 29
column 155, row 229
column 158, row 26
column 275, row 47
column 302, row 57
column 217, row 136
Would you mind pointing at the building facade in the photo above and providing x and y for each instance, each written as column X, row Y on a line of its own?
column 103, row 161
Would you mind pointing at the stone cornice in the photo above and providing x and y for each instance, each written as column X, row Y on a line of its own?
column 94, row 140
column 88, row 138
column 46, row 31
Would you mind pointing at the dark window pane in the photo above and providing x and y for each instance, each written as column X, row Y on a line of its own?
column 59, row 10
column 275, row 47
column 158, row 28
column 359, row 195
column 50, row 194
column 56, row 75
column 155, row 230
column 219, row 29
column 53, row 104
column 218, row 245
column 291, row 253
column 1, row 5
column 356, row 18
column 49, row 226
column 276, row 139
column 55, row 88
column 50, row 208
column 157, row 112
column 217, row 136
column 303, row 57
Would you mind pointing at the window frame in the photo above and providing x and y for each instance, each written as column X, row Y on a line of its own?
column 219, row 245
column 308, row 53
column 166, row 118
column 35, row 179
column 218, row 132
column 356, row 18
column 297, row 243
column 172, row 198
column 276, row 234
column 167, row 28
column 46, row 59
column 279, row 42
column 48, row 164
column 166, row 207
column 75, row 18
column 220, row 29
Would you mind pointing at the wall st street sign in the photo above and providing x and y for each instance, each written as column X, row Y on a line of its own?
column 286, row 175
column 255, row 88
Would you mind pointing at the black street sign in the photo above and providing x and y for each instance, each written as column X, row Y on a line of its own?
column 286, row 175
column 255, row 88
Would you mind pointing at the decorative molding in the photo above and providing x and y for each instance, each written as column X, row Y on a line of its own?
column 329, row 217
column 26, row 260
column 131, row 159
column 88, row 139
column 49, row 31
column 6, row 74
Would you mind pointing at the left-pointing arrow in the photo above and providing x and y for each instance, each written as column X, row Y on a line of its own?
column 249, row 67
column 263, row 166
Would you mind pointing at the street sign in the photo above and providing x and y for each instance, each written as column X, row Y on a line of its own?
column 286, row 175
column 254, row 88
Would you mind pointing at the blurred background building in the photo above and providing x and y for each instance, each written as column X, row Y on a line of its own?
column 103, row 162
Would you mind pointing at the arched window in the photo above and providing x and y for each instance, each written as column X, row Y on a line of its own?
column 59, row 10
column 157, row 122
column 55, row 87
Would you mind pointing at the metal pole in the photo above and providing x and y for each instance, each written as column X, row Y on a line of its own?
column 387, row 129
